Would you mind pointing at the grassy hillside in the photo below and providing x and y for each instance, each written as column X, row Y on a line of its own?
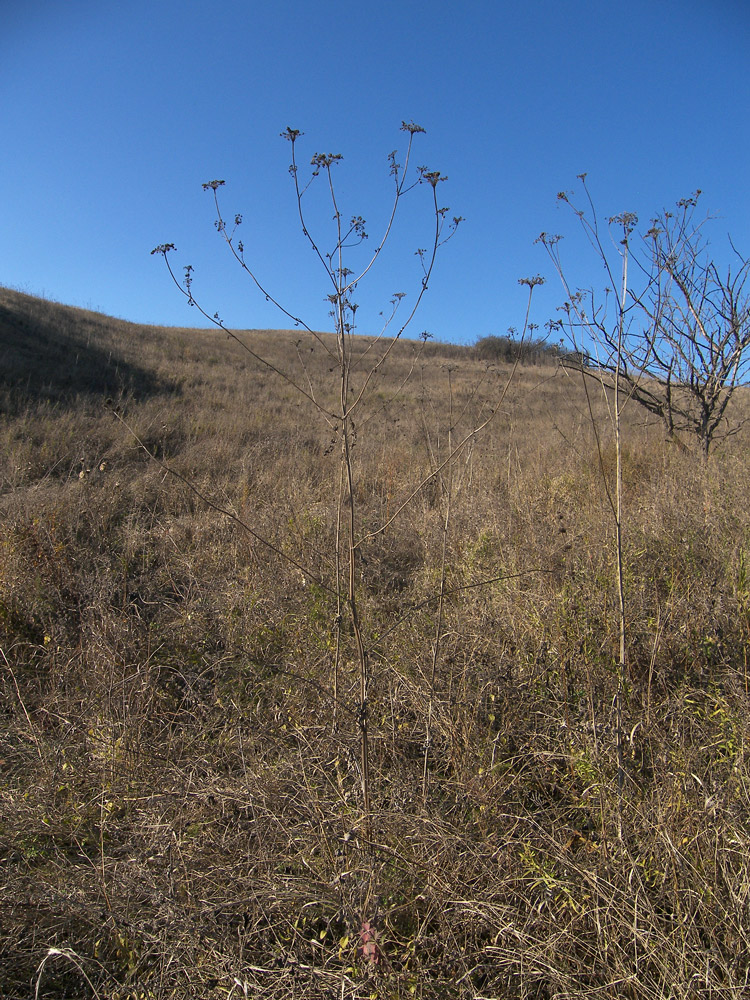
column 180, row 788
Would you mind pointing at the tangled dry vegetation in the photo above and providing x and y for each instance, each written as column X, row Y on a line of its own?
column 180, row 797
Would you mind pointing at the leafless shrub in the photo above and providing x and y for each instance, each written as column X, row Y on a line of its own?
column 683, row 347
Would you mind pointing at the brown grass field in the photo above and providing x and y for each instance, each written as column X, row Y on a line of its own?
column 180, row 788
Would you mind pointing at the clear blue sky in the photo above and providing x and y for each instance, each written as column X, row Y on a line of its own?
column 112, row 115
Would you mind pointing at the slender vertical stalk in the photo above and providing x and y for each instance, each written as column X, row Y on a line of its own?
column 343, row 334
column 339, row 606
column 622, row 663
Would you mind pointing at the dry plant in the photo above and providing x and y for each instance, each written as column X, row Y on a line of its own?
column 678, row 345
column 354, row 375
column 607, row 336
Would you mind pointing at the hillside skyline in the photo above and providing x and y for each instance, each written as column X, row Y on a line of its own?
column 115, row 121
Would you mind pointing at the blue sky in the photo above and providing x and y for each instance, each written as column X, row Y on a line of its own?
column 112, row 115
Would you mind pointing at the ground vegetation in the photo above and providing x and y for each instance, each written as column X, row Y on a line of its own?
column 180, row 806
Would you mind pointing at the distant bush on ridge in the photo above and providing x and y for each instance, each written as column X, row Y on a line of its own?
column 510, row 350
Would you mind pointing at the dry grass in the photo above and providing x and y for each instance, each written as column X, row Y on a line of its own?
column 179, row 814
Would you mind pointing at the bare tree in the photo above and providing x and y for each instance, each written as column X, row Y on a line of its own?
column 684, row 344
column 698, row 338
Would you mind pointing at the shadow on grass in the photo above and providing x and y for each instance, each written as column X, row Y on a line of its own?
column 61, row 355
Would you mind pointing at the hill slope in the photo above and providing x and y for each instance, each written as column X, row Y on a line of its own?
column 180, row 759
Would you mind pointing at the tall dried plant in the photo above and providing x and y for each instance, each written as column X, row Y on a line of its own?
column 353, row 380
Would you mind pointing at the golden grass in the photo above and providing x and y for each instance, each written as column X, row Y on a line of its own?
column 180, row 816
